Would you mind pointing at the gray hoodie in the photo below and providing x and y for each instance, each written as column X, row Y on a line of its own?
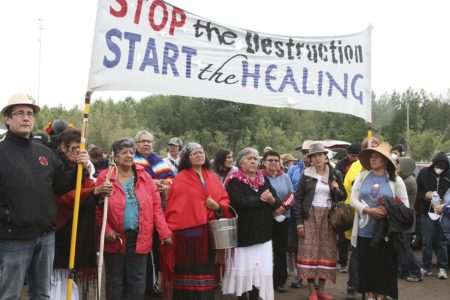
column 407, row 166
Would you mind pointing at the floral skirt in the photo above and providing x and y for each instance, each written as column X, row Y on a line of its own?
column 317, row 251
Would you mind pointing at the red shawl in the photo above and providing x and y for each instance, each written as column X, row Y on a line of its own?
column 186, row 204
column 186, row 208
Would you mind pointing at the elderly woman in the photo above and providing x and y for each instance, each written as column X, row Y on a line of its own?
column 249, row 266
column 68, row 150
column 195, row 197
column 223, row 164
column 284, row 188
column 319, row 185
column 162, row 175
column 134, row 210
column 377, row 267
column 153, row 163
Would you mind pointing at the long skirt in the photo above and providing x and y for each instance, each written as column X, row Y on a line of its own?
column 317, row 250
column 248, row 267
column 377, row 268
column 195, row 282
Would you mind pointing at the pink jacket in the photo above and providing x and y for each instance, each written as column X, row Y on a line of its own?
column 150, row 212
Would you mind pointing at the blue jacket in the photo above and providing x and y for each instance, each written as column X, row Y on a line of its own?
column 445, row 220
column 296, row 172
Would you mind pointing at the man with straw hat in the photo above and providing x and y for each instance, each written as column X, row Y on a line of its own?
column 297, row 170
column 287, row 161
column 30, row 177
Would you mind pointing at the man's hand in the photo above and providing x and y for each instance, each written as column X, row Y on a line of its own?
column 428, row 196
column 438, row 208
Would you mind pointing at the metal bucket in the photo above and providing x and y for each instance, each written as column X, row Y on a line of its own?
column 223, row 232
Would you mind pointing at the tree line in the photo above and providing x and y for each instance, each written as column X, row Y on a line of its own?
column 221, row 124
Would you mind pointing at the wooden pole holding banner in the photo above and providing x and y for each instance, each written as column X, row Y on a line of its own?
column 73, row 239
column 369, row 130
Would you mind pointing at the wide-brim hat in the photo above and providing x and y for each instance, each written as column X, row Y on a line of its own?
column 305, row 145
column 315, row 148
column 383, row 149
column 287, row 157
column 21, row 99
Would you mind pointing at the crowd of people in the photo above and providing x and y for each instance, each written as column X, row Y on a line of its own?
column 156, row 234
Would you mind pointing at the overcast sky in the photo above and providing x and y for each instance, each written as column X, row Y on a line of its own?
column 410, row 40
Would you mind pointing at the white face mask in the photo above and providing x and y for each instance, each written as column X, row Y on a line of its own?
column 434, row 216
column 280, row 218
column 438, row 171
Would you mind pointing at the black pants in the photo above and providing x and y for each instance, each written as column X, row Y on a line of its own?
column 130, row 265
column 292, row 236
column 342, row 246
column 280, row 232
column 353, row 279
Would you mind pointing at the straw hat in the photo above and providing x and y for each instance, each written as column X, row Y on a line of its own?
column 287, row 157
column 20, row 99
column 317, row 148
column 383, row 149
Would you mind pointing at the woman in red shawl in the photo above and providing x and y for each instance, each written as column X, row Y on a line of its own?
column 196, row 196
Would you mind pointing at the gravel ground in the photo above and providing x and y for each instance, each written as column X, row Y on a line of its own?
column 430, row 288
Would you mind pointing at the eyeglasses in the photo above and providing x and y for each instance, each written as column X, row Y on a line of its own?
column 22, row 114
column 273, row 160
column 74, row 148
column 145, row 142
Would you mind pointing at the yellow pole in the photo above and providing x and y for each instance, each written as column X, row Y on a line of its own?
column 73, row 239
column 369, row 130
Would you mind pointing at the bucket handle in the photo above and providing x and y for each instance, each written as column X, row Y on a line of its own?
column 236, row 214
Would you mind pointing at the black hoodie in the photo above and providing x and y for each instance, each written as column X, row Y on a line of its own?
column 428, row 180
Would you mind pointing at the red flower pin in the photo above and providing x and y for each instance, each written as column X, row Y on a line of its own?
column 43, row 160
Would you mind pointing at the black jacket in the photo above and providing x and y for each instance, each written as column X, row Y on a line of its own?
column 399, row 220
column 30, row 176
column 306, row 189
column 428, row 180
column 254, row 215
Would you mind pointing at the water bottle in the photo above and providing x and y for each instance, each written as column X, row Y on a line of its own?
column 435, row 198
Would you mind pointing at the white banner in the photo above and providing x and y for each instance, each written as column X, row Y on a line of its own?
column 153, row 46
